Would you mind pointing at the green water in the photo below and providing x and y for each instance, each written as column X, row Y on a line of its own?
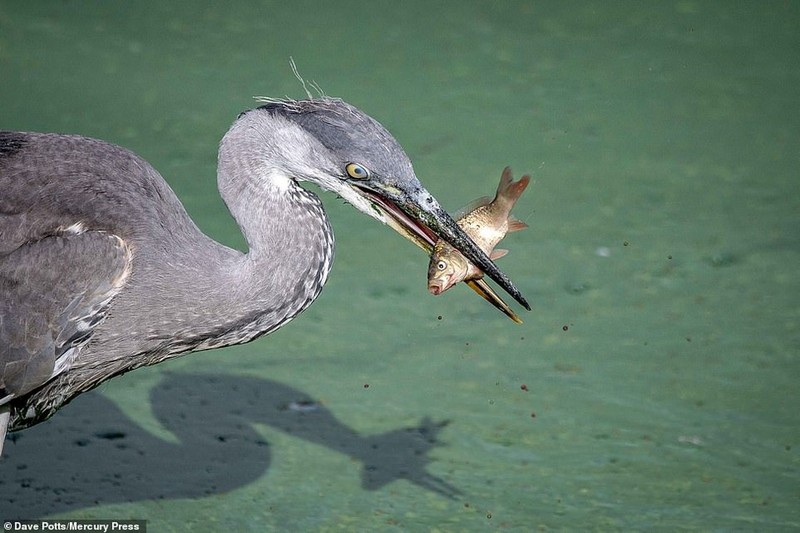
column 661, row 357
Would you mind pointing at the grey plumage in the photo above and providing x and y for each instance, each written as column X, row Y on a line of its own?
column 102, row 270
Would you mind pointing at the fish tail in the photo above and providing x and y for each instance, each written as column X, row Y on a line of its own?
column 509, row 191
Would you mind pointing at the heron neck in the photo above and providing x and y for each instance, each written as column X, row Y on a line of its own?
column 290, row 243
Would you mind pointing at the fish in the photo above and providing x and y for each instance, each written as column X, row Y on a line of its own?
column 486, row 221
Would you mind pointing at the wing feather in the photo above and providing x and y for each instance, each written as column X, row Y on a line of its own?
column 54, row 292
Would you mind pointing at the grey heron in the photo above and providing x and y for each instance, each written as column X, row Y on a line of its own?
column 102, row 270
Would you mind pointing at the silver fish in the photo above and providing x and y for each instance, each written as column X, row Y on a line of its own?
column 486, row 222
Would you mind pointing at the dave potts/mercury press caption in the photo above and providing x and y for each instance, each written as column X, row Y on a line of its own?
column 104, row 526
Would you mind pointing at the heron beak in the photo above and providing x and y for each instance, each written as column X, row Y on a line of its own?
column 418, row 217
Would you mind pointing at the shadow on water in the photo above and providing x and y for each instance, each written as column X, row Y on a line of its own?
column 93, row 454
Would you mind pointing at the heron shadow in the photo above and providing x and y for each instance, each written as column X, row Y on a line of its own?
column 93, row 454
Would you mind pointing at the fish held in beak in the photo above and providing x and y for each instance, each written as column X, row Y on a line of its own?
column 486, row 222
column 417, row 216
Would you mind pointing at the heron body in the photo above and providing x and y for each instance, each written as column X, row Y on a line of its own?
column 103, row 271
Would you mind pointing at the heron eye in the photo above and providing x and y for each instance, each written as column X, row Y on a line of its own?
column 356, row 171
column 441, row 265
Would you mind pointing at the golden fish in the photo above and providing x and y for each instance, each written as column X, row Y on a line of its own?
column 486, row 222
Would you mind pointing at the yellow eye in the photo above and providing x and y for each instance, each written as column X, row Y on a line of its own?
column 441, row 265
column 356, row 171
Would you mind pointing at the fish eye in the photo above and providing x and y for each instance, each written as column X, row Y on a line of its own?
column 441, row 265
column 356, row 171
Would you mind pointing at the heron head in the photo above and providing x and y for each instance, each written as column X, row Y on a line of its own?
column 335, row 145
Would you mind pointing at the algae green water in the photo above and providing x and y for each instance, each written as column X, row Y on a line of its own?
column 652, row 387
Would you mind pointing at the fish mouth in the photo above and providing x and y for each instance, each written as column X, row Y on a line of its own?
column 420, row 219
column 441, row 283
column 436, row 288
